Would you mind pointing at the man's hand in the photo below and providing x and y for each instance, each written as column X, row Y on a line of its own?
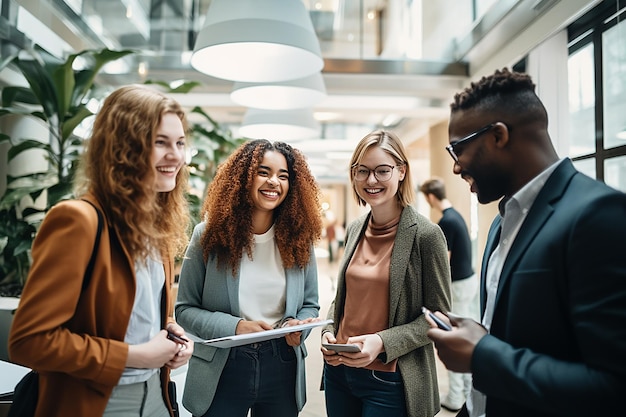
column 456, row 347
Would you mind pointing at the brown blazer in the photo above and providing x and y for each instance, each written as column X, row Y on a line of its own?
column 419, row 276
column 75, row 339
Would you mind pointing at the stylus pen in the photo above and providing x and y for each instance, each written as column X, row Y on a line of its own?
column 440, row 323
column 177, row 339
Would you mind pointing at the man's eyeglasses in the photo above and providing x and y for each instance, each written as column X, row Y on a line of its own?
column 382, row 172
column 473, row 135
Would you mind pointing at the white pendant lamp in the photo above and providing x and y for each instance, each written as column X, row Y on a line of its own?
column 283, row 125
column 282, row 95
column 257, row 41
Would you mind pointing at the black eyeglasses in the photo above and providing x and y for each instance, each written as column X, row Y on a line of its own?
column 473, row 135
column 382, row 172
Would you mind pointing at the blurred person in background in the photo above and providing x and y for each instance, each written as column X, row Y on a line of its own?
column 465, row 301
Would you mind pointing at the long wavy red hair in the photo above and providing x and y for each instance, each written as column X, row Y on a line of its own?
column 228, row 207
column 116, row 167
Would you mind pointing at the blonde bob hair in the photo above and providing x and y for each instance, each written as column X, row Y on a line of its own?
column 391, row 144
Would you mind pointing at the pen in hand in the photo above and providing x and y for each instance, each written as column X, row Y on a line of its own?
column 175, row 338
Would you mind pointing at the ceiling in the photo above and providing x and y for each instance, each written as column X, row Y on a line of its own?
column 387, row 63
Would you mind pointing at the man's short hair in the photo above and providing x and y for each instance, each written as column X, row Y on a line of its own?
column 507, row 94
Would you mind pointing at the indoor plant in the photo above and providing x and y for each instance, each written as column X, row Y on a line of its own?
column 57, row 94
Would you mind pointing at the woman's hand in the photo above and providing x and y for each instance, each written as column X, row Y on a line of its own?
column 247, row 326
column 330, row 356
column 294, row 339
column 185, row 346
column 153, row 354
column 371, row 346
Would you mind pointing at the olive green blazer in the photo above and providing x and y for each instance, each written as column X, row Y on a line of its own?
column 419, row 275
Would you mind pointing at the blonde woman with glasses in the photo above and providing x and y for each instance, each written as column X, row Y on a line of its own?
column 395, row 262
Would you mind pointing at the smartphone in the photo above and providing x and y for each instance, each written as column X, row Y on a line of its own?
column 441, row 324
column 342, row 347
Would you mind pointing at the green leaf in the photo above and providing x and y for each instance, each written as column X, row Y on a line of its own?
column 12, row 94
column 32, row 182
column 176, row 86
column 58, row 192
column 23, row 112
column 199, row 110
column 85, row 78
column 27, row 145
column 63, row 79
column 163, row 84
column 22, row 247
column 185, row 87
column 79, row 114
column 6, row 61
column 41, row 85
column 13, row 197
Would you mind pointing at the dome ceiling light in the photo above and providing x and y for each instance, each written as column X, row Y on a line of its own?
column 257, row 41
column 281, row 95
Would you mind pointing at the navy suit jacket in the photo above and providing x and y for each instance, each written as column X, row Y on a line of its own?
column 557, row 343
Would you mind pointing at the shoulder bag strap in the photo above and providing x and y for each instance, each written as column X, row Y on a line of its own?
column 96, row 245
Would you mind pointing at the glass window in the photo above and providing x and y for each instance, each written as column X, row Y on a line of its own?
column 615, row 172
column 614, row 76
column 582, row 98
column 586, row 166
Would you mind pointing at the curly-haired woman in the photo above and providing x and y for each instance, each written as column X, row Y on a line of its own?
column 251, row 267
column 102, row 349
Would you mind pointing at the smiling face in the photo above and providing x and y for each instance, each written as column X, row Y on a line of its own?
column 271, row 182
column 378, row 194
column 168, row 152
column 478, row 163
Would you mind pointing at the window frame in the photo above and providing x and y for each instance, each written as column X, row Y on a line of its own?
column 590, row 29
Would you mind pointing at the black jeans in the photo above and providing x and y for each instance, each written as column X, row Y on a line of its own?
column 260, row 377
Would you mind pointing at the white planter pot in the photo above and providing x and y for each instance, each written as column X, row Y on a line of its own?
column 7, row 306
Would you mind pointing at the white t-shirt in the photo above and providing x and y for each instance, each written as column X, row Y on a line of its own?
column 145, row 319
column 262, row 282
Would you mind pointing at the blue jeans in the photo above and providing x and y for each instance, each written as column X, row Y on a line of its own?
column 359, row 392
column 260, row 377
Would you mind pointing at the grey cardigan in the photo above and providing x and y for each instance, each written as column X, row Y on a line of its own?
column 208, row 307
column 419, row 276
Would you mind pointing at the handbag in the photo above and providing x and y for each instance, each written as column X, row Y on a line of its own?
column 171, row 392
column 25, row 396
column 26, row 392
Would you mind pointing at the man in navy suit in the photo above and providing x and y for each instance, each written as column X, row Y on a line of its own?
column 553, row 280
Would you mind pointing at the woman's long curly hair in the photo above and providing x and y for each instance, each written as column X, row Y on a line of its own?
column 228, row 208
column 117, row 169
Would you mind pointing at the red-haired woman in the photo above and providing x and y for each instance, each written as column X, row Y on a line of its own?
column 104, row 349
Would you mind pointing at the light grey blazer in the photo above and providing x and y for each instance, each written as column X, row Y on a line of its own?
column 419, row 275
column 208, row 307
